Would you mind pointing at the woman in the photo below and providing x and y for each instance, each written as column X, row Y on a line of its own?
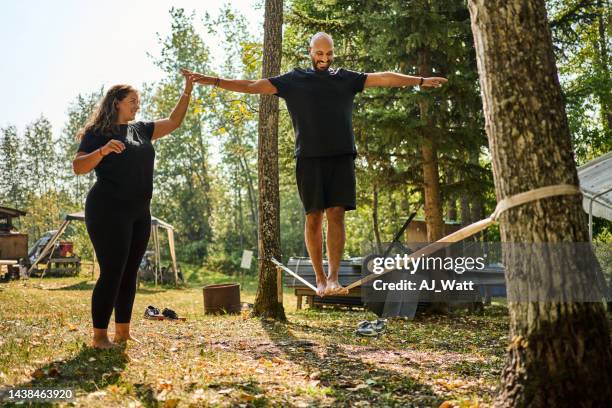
column 117, row 213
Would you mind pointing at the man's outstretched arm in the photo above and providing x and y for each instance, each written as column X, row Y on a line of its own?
column 250, row 86
column 393, row 79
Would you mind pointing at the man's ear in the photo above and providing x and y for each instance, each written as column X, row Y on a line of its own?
column 309, row 50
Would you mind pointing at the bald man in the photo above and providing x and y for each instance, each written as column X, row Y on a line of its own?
column 320, row 102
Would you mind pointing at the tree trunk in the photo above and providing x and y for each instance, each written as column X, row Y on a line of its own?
column 431, row 181
column 602, row 48
column 267, row 303
column 251, row 194
column 375, row 218
column 560, row 353
column 451, row 200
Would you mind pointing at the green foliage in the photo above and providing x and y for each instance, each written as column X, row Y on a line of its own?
column 581, row 32
column 11, row 163
column 398, row 36
column 40, row 172
column 78, row 112
column 182, row 181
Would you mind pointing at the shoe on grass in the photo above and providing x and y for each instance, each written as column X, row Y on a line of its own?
column 366, row 329
column 152, row 313
column 171, row 315
column 379, row 324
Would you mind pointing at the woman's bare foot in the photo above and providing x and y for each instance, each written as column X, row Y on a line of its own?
column 101, row 340
column 123, row 338
column 122, row 333
column 333, row 287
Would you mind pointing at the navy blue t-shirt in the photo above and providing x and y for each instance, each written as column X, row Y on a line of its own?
column 321, row 107
column 127, row 175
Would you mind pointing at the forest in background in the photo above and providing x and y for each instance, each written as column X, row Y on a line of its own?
column 206, row 171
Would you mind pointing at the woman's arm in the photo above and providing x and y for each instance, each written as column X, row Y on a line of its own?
column 393, row 79
column 166, row 126
column 86, row 162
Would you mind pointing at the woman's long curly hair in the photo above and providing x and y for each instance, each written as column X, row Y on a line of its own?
column 103, row 119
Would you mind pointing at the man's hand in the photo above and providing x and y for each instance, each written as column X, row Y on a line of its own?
column 198, row 78
column 433, row 82
column 249, row 86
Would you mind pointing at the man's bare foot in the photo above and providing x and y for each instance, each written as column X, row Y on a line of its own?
column 102, row 343
column 321, row 286
column 333, row 287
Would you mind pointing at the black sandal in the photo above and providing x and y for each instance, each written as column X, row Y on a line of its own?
column 171, row 315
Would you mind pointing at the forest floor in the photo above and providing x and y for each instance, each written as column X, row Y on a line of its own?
column 314, row 359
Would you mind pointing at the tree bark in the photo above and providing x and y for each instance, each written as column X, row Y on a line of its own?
column 267, row 303
column 602, row 48
column 375, row 218
column 451, row 200
column 431, row 181
column 560, row 353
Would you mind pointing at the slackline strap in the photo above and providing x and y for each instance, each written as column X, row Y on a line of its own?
column 533, row 195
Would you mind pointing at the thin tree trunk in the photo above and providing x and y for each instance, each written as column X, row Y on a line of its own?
column 560, row 353
column 375, row 218
column 251, row 191
column 267, row 303
column 431, row 181
column 451, row 200
column 602, row 48
column 466, row 214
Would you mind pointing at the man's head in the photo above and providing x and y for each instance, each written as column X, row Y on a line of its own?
column 321, row 51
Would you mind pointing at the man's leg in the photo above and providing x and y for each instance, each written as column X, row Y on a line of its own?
column 313, row 235
column 336, row 237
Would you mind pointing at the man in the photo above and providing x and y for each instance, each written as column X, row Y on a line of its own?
column 320, row 102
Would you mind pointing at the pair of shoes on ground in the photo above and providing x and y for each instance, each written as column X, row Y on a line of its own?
column 152, row 313
column 371, row 328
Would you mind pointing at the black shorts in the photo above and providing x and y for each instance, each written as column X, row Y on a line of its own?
column 325, row 182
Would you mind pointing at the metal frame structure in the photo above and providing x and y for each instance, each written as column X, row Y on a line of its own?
column 156, row 223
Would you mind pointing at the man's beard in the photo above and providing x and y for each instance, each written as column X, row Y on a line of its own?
column 316, row 68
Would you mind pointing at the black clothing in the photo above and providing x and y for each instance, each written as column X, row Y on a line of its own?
column 119, row 231
column 325, row 182
column 129, row 174
column 321, row 107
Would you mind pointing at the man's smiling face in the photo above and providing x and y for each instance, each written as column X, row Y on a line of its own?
column 321, row 52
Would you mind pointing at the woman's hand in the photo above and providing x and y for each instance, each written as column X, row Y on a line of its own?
column 189, row 79
column 113, row 146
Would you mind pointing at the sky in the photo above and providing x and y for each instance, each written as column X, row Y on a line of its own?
column 54, row 50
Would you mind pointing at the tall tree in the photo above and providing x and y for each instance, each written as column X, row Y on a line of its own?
column 11, row 182
column 40, row 158
column 267, row 303
column 182, row 180
column 78, row 112
column 408, row 136
column 560, row 353
column 581, row 32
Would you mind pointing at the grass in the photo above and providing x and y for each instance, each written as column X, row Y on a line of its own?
column 313, row 360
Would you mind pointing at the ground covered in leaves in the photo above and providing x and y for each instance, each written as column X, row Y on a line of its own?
column 314, row 359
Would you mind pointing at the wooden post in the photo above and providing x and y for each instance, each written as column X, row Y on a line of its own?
column 279, row 284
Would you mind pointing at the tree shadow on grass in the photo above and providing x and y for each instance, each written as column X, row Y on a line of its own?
column 348, row 377
column 89, row 371
column 89, row 285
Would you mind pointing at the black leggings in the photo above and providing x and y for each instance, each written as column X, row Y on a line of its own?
column 119, row 231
